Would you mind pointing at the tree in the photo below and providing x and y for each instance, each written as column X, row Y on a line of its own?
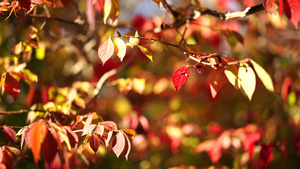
column 83, row 83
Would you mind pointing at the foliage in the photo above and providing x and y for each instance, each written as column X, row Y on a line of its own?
column 84, row 82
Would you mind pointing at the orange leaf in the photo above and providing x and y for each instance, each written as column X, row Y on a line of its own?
column 129, row 132
column 37, row 135
column 115, row 10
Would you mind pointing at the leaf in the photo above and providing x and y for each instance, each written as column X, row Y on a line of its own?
column 88, row 127
column 231, row 73
column 11, row 86
column 246, row 80
column 109, row 125
column 106, row 50
column 291, row 9
column 109, row 136
column 128, row 147
column 18, row 48
column 119, row 144
column 95, row 143
column 106, row 10
column 286, row 88
column 129, row 132
column 37, row 135
column 16, row 151
column 65, row 3
column 25, row 4
column 9, row 134
column 265, row 155
column 263, row 76
column 73, row 138
column 180, row 76
column 270, row 6
column 120, row 48
column 138, row 85
column 49, row 148
column 115, row 10
column 249, row 142
column 146, row 52
column 216, row 81
column 133, row 41
column 21, row 75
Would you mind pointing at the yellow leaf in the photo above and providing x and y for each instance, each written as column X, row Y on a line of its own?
column 246, row 80
column 106, row 10
column 115, row 10
column 263, row 76
column 120, row 48
column 133, row 41
column 231, row 74
column 146, row 52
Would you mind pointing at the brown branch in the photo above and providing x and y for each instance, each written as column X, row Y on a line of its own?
column 15, row 112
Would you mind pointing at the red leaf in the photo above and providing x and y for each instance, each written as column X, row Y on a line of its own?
column 106, row 50
column 49, row 148
column 65, row 2
column 11, row 86
column 25, row 4
column 284, row 150
column 280, row 8
column 291, row 9
column 109, row 125
column 119, row 145
column 270, row 6
column 9, row 134
column 20, row 75
column 215, row 153
column 95, row 143
column 249, row 142
column 216, row 79
column 180, row 76
column 265, row 155
column 16, row 151
column 73, row 138
column 36, row 138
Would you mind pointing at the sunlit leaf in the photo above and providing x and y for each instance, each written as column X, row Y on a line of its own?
column 146, row 52
column 291, row 9
column 263, row 76
column 109, row 125
column 106, row 50
column 115, row 10
column 180, row 76
column 270, row 6
column 107, row 9
column 119, row 48
column 37, row 135
column 129, row 132
column 231, row 73
column 128, row 145
column 216, row 81
column 119, row 145
column 246, row 80
column 133, row 41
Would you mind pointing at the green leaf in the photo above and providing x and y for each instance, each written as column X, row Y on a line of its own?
column 146, row 52
column 263, row 76
column 246, row 80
